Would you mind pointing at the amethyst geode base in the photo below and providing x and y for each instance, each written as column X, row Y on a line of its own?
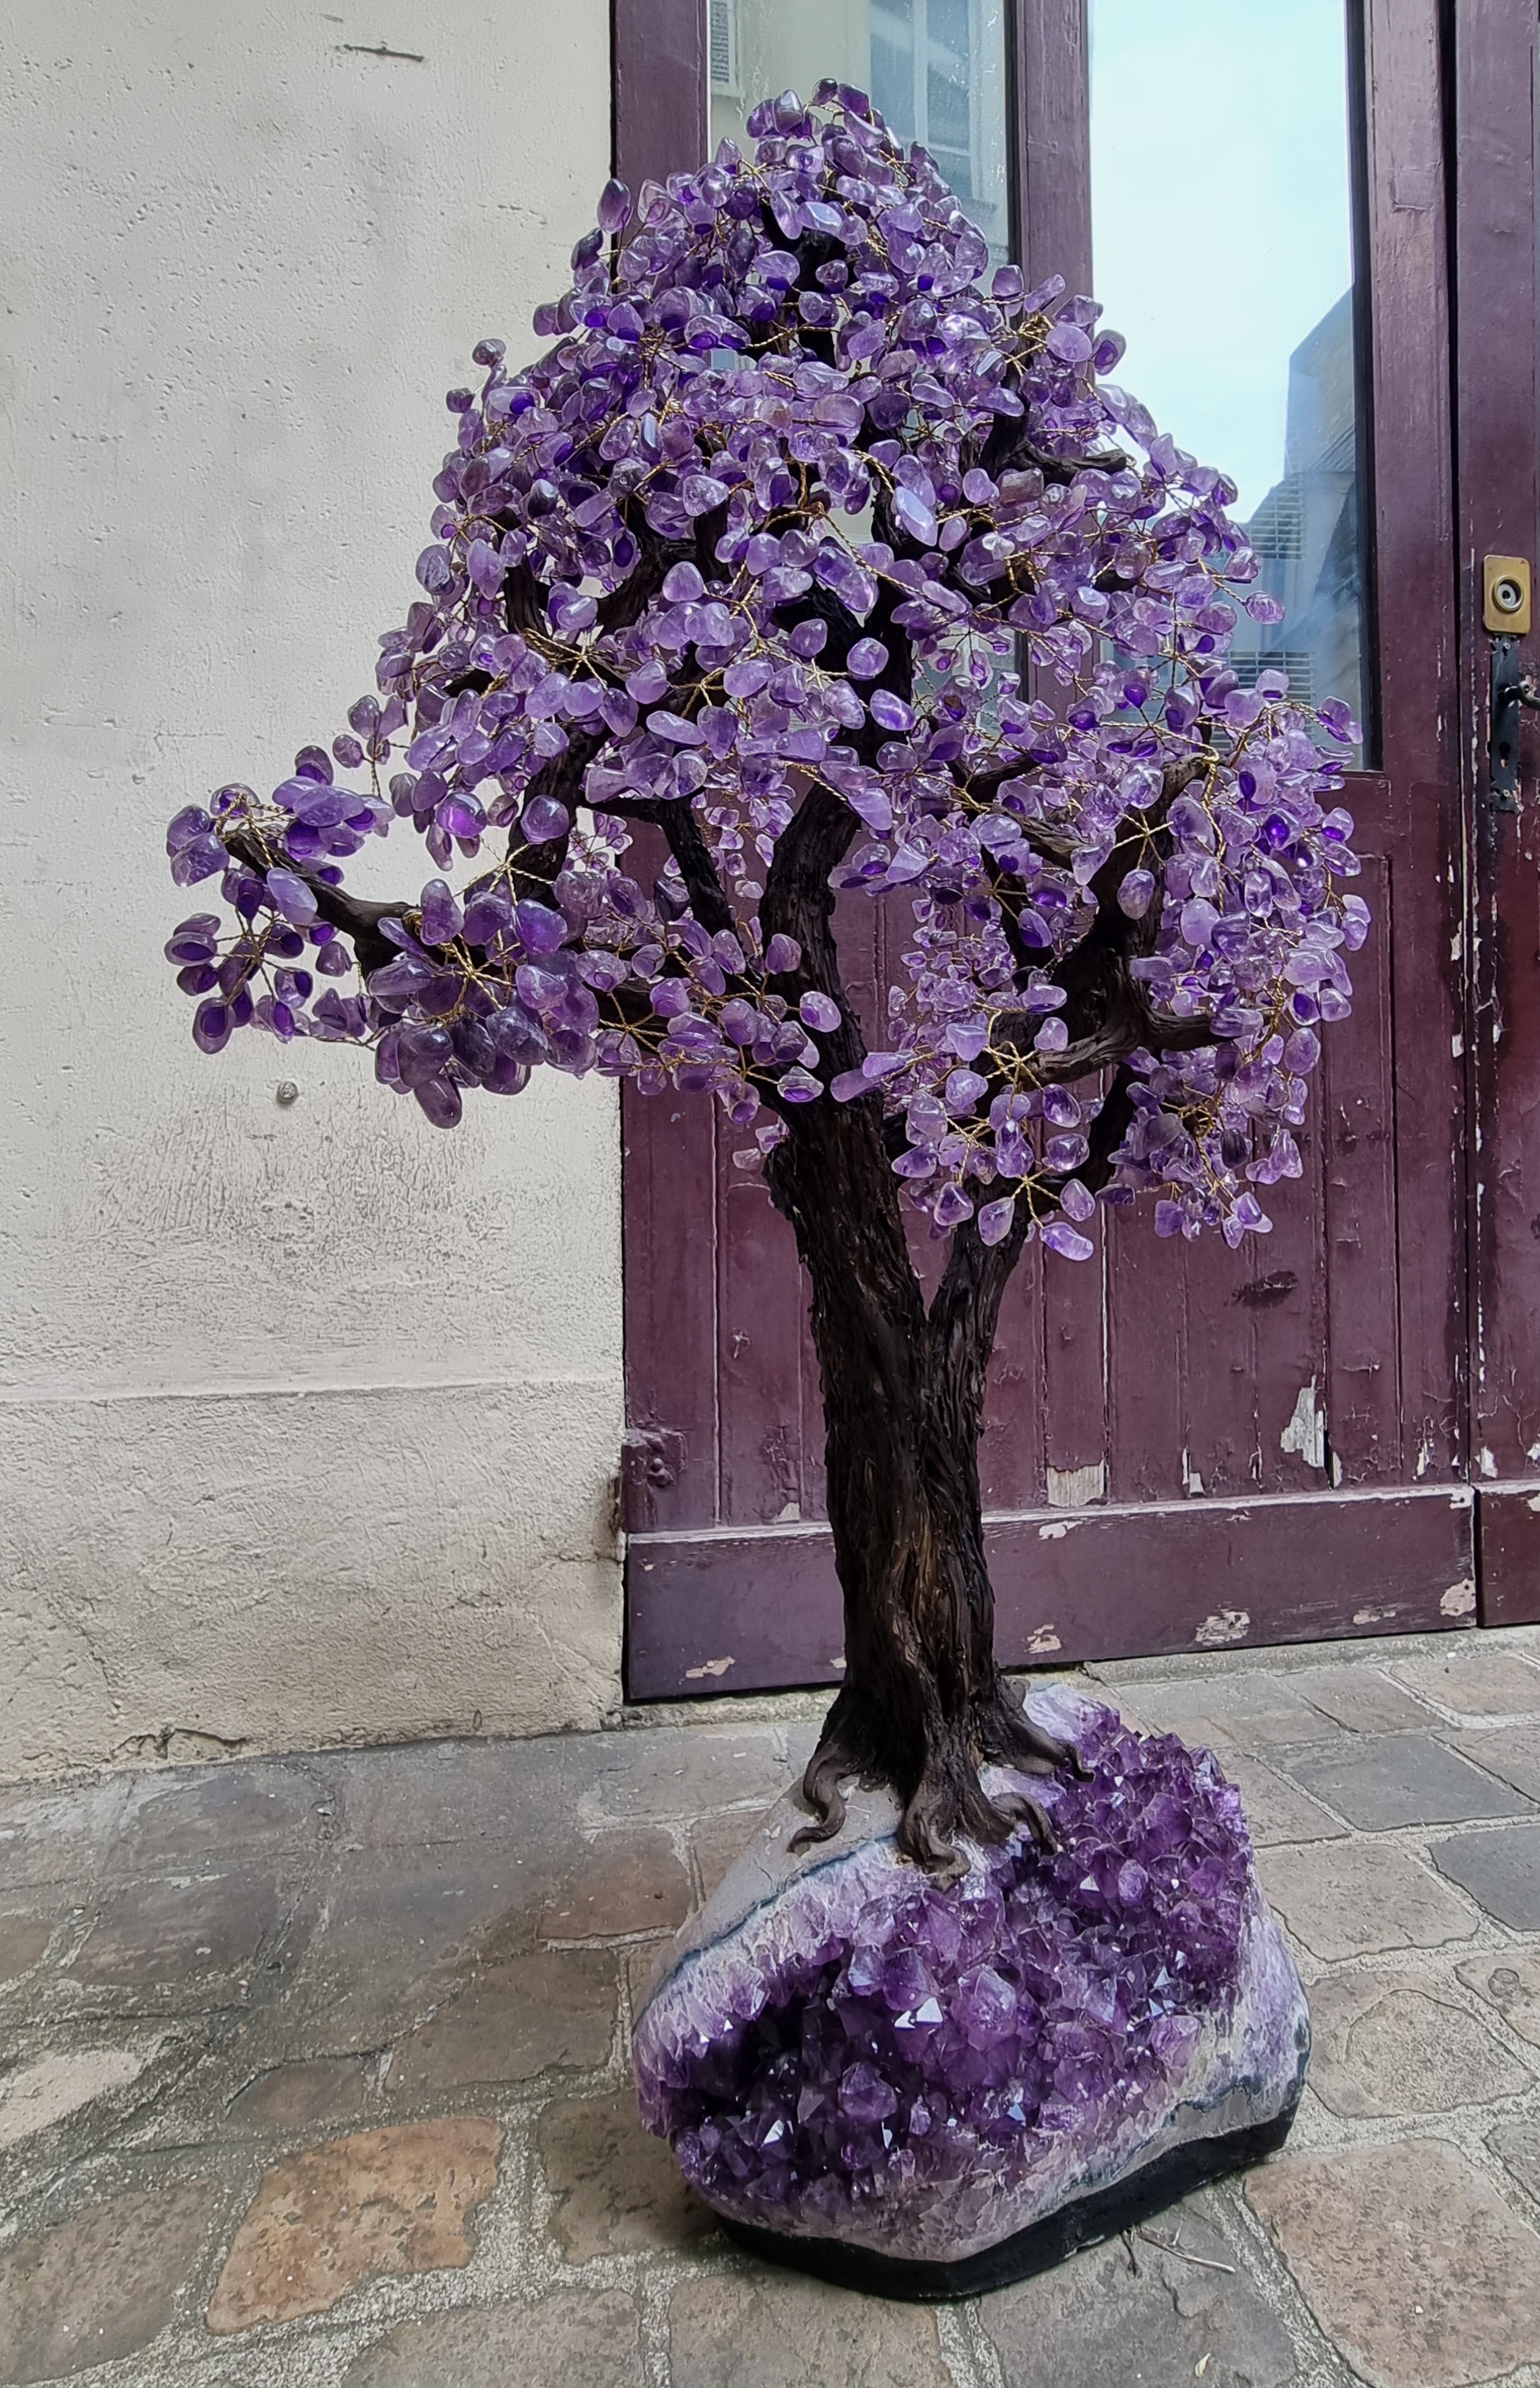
column 840, row 2050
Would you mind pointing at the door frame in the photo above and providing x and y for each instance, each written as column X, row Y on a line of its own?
column 1492, row 177
column 714, row 1607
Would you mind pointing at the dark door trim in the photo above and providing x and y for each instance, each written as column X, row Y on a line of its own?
column 1492, row 179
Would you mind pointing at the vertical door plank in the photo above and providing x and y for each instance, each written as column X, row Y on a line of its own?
column 759, row 1346
column 658, row 87
column 1147, row 1359
column 1356, row 1108
column 1220, row 1428
column 1074, row 1378
column 1051, row 72
column 1420, row 827
column 1291, row 1335
column 668, row 1143
column 1011, row 1463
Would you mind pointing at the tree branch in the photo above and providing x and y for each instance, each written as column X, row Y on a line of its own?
column 1009, row 448
column 357, row 917
column 687, row 844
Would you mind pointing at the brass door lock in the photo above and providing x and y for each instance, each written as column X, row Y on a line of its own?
column 1506, row 594
column 1507, row 597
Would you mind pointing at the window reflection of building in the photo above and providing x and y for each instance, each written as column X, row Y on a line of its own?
column 1306, row 529
column 935, row 68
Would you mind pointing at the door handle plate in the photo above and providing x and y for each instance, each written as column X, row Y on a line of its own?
column 1508, row 595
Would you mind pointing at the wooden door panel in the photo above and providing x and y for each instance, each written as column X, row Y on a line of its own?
column 735, row 1609
column 1507, row 1523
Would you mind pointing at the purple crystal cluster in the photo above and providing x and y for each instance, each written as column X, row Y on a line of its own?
column 772, row 524
column 876, row 2055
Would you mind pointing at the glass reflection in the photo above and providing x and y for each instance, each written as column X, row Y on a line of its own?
column 1222, row 228
column 935, row 68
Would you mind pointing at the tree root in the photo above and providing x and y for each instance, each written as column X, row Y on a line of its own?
column 1008, row 1735
column 938, row 1782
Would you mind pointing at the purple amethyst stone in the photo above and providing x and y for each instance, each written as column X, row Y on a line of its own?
column 839, row 2048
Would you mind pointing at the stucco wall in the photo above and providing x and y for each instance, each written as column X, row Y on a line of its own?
column 310, row 1412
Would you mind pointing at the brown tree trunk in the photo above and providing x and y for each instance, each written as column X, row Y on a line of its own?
column 923, row 1705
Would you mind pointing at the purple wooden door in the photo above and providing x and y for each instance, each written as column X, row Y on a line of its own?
column 1184, row 1446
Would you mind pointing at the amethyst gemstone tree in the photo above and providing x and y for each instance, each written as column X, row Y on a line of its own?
column 814, row 561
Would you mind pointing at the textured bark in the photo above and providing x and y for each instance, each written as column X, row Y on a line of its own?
column 923, row 1705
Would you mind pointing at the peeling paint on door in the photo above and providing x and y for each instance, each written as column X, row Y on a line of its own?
column 1077, row 1488
column 1305, row 1432
column 1225, row 1625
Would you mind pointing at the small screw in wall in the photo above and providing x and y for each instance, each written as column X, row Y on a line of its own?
column 287, row 1092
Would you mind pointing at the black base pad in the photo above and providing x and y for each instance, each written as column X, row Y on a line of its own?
column 1089, row 2219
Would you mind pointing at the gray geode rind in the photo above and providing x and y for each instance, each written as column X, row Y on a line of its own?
column 836, row 2048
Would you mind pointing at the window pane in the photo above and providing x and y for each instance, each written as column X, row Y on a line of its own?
column 935, row 68
column 1221, row 211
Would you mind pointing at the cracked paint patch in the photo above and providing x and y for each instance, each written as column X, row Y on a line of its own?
column 1076, row 1488
column 1460, row 1598
column 1042, row 1641
column 1225, row 1625
column 1305, row 1432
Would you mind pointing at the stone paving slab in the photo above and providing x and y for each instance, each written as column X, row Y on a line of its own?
column 26, row 1928
column 764, row 2329
column 1508, row 1979
column 571, row 2338
column 1360, row 1897
column 1167, row 2304
column 1395, row 2041
column 313, row 2070
column 1419, row 2272
column 223, row 1815
column 325, row 2218
column 1517, row 2146
column 1401, row 1778
column 99, row 2286
column 1277, row 1809
column 58, row 1836
column 1511, row 1751
column 1363, row 1697
column 1472, row 1681
column 614, row 2188
column 1500, row 1870
column 1256, row 1712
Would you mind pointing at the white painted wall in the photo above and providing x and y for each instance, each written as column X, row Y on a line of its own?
column 309, row 1415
